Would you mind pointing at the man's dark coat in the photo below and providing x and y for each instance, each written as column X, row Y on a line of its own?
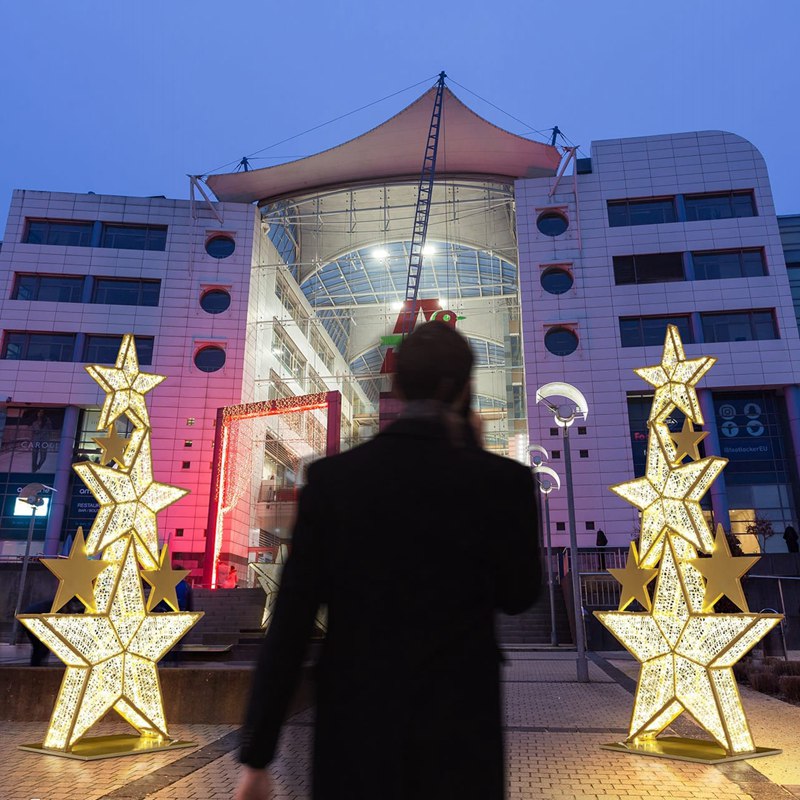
column 413, row 543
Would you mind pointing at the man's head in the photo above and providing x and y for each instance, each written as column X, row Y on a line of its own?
column 434, row 363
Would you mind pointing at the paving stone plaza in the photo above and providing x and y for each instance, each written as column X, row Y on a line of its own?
column 554, row 729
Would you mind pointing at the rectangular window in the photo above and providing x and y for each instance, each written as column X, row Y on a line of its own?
column 649, row 268
column 646, row 331
column 134, row 237
column 315, row 383
column 277, row 388
column 72, row 233
column 793, row 270
column 720, row 264
column 719, row 205
column 321, row 348
column 739, row 326
column 102, row 349
column 120, row 292
column 649, row 211
column 48, row 288
column 291, row 303
column 287, row 353
column 24, row 346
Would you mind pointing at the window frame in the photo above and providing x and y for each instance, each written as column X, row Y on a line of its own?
column 627, row 203
column 103, row 283
column 144, row 348
column 687, row 333
column 618, row 267
column 39, row 278
column 155, row 236
column 53, row 225
column 27, row 342
column 707, row 317
column 741, row 252
column 691, row 212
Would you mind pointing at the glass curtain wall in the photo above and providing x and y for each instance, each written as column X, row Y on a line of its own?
column 331, row 283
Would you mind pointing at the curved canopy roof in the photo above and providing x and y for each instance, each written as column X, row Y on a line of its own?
column 469, row 145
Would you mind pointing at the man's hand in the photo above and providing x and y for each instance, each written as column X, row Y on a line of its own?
column 254, row 784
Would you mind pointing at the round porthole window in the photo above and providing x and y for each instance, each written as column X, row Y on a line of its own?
column 561, row 341
column 210, row 358
column 552, row 223
column 220, row 246
column 215, row 301
column 556, row 280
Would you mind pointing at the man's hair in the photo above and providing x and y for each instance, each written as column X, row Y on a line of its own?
column 433, row 363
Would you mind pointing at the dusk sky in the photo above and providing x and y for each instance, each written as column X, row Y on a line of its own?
column 127, row 98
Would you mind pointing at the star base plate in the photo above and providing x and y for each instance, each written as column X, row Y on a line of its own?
column 679, row 748
column 96, row 747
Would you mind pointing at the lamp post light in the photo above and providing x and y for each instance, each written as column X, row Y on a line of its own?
column 573, row 406
column 32, row 495
column 548, row 480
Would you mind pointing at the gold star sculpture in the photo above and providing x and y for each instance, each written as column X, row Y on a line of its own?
column 269, row 578
column 111, row 658
column 634, row 581
column 686, row 441
column 723, row 573
column 686, row 651
column 112, row 446
column 163, row 582
column 125, row 386
column 669, row 496
column 675, row 378
column 687, row 659
column 76, row 574
column 129, row 501
column 111, row 652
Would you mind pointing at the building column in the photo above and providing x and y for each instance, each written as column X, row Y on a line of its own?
column 792, row 396
column 719, row 493
column 60, row 498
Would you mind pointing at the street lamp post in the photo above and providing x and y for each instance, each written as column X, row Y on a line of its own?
column 565, row 414
column 30, row 494
column 548, row 480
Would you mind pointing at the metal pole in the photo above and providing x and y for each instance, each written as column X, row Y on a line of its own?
column 577, row 605
column 550, row 588
column 15, row 622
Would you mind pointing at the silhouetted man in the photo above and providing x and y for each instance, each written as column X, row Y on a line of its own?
column 408, row 692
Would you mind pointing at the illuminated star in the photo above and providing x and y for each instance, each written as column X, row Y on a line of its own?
column 723, row 573
column 669, row 497
column 111, row 658
column 675, row 378
column 76, row 574
column 113, row 446
column 687, row 661
column 125, row 386
column 163, row 582
column 269, row 578
column 129, row 501
column 634, row 581
column 686, row 441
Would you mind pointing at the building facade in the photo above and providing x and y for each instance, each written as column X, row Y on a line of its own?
column 293, row 284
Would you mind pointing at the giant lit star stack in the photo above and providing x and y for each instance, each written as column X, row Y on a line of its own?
column 112, row 649
column 686, row 651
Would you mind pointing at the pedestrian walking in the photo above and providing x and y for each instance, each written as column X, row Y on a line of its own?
column 408, row 692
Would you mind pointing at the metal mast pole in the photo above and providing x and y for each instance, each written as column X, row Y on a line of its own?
column 550, row 588
column 423, row 210
column 574, row 570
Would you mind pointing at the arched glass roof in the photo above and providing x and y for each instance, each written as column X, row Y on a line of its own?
column 374, row 275
column 368, row 364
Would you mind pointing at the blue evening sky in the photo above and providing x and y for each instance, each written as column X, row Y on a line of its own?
column 126, row 98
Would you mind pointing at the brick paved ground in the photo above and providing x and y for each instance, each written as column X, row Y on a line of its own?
column 554, row 729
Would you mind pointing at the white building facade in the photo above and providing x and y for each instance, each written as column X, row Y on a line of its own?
column 291, row 284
